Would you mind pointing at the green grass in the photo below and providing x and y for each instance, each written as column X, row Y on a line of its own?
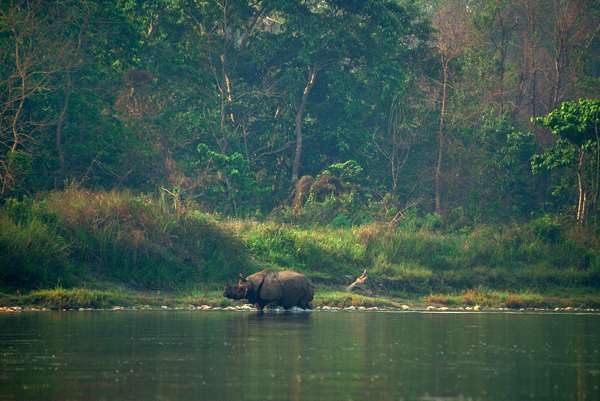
column 59, row 298
column 79, row 238
column 32, row 254
column 324, row 254
column 74, row 298
column 114, row 236
column 513, row 300
column 345, row 299
column 422, row 261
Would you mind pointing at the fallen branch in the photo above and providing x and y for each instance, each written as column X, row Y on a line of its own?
column 359, row 282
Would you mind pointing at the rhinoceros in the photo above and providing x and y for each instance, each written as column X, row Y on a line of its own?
column 286, row 288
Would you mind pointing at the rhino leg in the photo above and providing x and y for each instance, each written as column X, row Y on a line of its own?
column 306, row 305
column 308, row 296
column 299, row 300
column 305, row 302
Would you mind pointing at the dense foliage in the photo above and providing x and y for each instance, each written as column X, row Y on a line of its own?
column 228, row 104
column 382, row 134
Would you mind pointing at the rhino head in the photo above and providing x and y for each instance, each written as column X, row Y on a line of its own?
column 238, row 291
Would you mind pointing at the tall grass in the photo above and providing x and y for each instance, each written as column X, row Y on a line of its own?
column 32, row 255
column 426, row 260
column 325, row 254
column 116, row 236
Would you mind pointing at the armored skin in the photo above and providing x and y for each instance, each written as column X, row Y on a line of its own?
column 286, row 288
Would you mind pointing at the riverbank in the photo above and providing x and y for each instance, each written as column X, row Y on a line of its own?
column 79, row 298
column 81, row 249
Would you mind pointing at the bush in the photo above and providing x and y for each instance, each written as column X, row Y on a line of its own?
column 32, row 255
column 59, row 298
column 322, row 253
column 131, row 239
column 115, row 236
column 546, row 228
column 341, row 221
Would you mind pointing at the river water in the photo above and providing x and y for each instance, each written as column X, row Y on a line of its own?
column 375, row 356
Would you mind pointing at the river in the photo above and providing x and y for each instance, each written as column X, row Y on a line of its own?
column 375, row 356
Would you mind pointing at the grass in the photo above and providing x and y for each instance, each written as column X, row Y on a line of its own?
column 74, row 298
column 114, row 236
column 59, row 298
column 424, row 261
column 345, row 299
column 137, row 245
column 325, row 252
column 513, row 300
column 32, row 253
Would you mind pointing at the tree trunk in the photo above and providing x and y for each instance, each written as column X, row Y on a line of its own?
column 558, row 69
column 225, row 86
column 503, row 52
column 68, row 89
column 596, row 177
column 563, row 26
column 23, row 76
column 441, row 140
column 312, row 75
column 225, row 97
column 59, row 126
column 581, row 202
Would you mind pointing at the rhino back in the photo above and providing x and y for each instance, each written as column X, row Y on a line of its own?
column 295, row 288
column 257, row 277
column 256, row 280
column 271, row 289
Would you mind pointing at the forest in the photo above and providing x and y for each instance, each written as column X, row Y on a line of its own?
column 449, row 147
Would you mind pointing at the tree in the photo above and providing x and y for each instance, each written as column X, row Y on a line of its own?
column 575, row 125
column 60, row 65
column 452, row 27
column 341, row 36
column 267, row 79
column 33, row 51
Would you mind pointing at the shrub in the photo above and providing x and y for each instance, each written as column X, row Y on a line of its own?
column 32, row 255
column 546, row 228
column 432, row 221
column 59, row 298
column 526, row 300
column 439, row 299
column 340, row 221
column 131, row 239
column 116, row 236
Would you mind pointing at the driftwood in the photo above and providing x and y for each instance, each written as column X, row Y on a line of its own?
column 359, row 283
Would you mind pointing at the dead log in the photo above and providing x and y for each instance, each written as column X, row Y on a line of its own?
column 359, row 283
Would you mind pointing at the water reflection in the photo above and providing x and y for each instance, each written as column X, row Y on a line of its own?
column 298, row 356
column 281, row 316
